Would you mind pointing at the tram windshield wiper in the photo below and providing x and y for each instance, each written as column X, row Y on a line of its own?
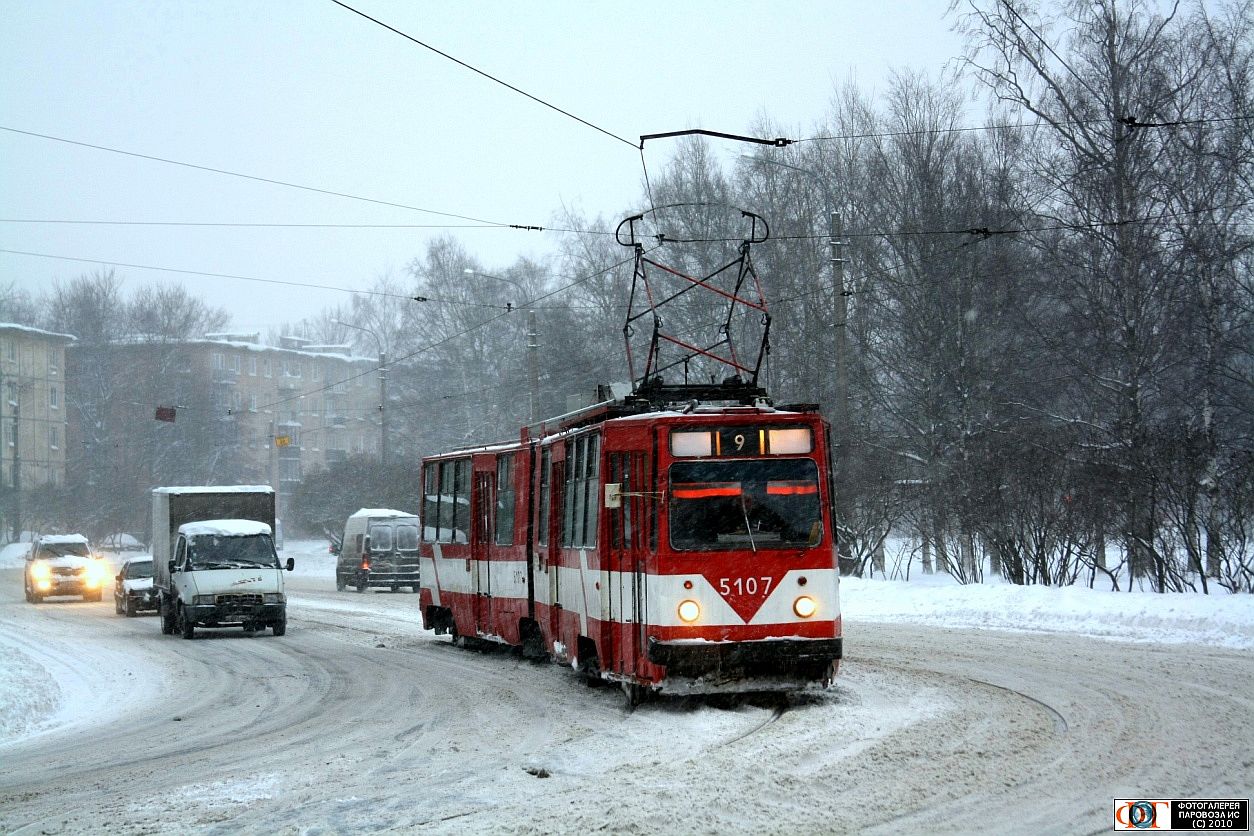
column 748, row 526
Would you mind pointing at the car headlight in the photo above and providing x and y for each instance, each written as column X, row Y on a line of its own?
column 272, row 598
column 205, row 600
column 41, row 571
column 97, row 573
column 804, row 606
column 689, row 611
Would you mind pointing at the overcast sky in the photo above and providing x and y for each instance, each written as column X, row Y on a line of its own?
column 312, row 94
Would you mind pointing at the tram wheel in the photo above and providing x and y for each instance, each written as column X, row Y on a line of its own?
column 634, row 693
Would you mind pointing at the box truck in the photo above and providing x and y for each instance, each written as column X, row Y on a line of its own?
column 214, row 562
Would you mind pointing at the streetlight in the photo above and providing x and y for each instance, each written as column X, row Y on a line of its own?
column 533, row 344
column 383, row 387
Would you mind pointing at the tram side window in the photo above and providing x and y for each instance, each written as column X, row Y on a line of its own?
column 575, row 480
column 446, row 501
column 431, row 503
column 461, row 500
column 579, row 506
column 546, row 468
column 570, row 473
column 620, row 519
column 591, row 486
column 505, row 500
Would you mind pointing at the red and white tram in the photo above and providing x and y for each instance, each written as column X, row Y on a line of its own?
column 677, row 552
column 679, row 540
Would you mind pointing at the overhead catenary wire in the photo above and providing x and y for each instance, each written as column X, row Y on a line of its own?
column 979, row 231
column 590, row 364
column 1051, row 50
column 486, row 75
column 987, row 231
column 108, row 263
column 481, row 223
column 451, row 337
column 269, row 180
column 1039, row 123
column 242, row 224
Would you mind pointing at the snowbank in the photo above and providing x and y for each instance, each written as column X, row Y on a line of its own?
column 13, row 556
column 1218, row 619
column 1174, row 618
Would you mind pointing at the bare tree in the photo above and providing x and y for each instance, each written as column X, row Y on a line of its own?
column 1108, row 91
column 18, row 306
column 168, row 313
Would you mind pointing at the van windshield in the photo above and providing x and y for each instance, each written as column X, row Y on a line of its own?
column 216, row 551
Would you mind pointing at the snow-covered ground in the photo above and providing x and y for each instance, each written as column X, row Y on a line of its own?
column 39, row 695
column 949, row 695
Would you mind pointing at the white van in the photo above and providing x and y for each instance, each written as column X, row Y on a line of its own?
column 380, row 548
column 225, row 573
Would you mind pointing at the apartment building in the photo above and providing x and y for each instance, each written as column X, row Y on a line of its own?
column 222, row 409
column 299, row 405
column 33, row 407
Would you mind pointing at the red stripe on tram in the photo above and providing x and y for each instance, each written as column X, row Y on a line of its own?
column 705, row 491
column 791, row 488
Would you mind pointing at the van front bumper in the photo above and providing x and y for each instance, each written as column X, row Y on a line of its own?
column 233, row 611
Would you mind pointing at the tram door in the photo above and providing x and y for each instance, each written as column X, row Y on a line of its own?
column 484, row 510
column 627, row 544
column 557, row 488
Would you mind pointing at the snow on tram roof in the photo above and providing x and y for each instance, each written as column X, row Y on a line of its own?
column 215, row 489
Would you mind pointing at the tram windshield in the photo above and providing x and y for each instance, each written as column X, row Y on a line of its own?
column 744, row 504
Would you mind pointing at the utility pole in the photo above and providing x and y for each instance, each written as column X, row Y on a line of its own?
column 836, row 229
column 533, row 364
column 17, row 471
column 383, row 407
column 274, row 461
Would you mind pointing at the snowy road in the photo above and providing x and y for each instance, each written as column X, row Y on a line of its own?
column 358, row 721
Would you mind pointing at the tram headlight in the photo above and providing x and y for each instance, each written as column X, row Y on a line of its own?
column 804, row 606
column 689, row 611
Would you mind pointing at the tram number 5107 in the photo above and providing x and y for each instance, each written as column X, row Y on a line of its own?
column 745, row 586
